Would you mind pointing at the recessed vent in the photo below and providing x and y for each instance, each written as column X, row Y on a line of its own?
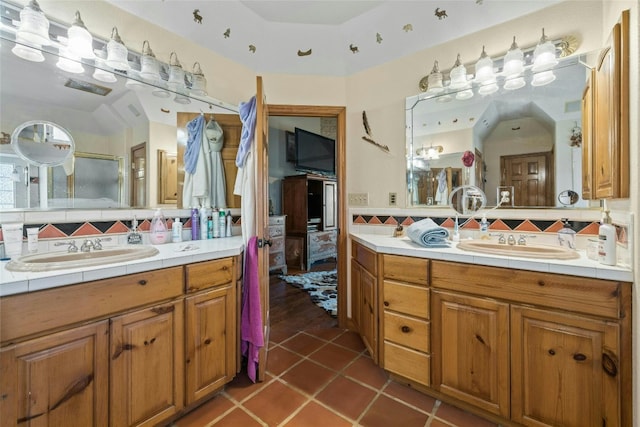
column 87, row 87
column 134, row 110
column 573, row 106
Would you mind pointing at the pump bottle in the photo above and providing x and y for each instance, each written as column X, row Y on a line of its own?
column 607, row 241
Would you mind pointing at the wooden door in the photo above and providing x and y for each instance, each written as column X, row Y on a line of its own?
column 531, row 176
column 139, row 175
column 368, row 320
column 564, row 370
column 147, row 365
column 58, row 380
column 587, row 137
column 262, row 213
column 168, row 177
column 356, row 295
column 470, row 350
column 210, row 341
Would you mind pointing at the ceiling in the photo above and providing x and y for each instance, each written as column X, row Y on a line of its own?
column 324, row 37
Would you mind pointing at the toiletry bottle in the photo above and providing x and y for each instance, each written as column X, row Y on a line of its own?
column 195, row 220
column 134, row 237
column 567, row 235
column 204, row 223
column 484, row 228
column 229, row 224
column 607, row 241
column 158, row 232
column 176, row 231
column 456, row 233
column 223, row 223
column 216, row 224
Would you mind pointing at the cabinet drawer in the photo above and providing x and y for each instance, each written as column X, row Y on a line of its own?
column 406, row 331
column 277, row 245
column 580, row 294
column 33, row 313
column 276, row 259
column 322, row 243
column 276, row 231
column 277, row 220
column 408, row 363
column 404, row 298
column 365, row 257
column 406, row 269
column 208, row 274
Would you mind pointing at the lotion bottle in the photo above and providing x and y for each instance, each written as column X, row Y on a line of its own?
column 607, row 241
column 176, row 231
column 158, row 232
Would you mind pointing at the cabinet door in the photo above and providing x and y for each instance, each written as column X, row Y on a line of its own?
column 587, row 138
column 147, row 365
column 470, row 350
column 368, row 317
column 356, row 294
column 564, row 369
column 57, row 380
column 210, row 341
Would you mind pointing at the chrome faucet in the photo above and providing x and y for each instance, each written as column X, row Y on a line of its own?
column 72, row 246
column 501, row 239
column 523, row 239
column 511, row 240
column 97, row 242
column 87, row 246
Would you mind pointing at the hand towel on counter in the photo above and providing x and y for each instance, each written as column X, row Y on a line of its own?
column 428, row 234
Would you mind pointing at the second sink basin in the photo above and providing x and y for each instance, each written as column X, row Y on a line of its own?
column 60, row 260
column 527, row 251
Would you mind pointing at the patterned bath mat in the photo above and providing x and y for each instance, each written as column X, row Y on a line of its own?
column 322, row 287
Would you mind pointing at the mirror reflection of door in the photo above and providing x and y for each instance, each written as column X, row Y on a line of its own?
column 531, row 176
column 138, row 175
column 168, row 174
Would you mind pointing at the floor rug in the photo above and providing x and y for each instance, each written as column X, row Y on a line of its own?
column 322, row 287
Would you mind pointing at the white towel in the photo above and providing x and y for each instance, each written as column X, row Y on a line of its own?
column 428, row 234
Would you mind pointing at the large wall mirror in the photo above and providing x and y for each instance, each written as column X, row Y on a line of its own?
column 105, row 120
column 526, row 141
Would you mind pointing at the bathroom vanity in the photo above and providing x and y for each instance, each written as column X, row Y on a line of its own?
column 132, row 349
column 515, row 340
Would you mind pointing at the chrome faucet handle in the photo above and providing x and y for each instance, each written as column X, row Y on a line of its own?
column 87, row 245
column 72, row 246
column 97, row 242
column 511, row 240
column 501, row 239
column 523, row 238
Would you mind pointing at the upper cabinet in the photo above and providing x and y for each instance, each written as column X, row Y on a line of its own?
column 610, row 126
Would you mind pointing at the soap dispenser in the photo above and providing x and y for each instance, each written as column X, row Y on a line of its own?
column 567, row 235
column 607, row 241
column 134, row 237
column 484, row 228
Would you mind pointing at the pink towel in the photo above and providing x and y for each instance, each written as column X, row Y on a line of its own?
column 252, row 338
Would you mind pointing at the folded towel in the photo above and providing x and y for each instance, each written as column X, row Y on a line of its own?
column 428, row 234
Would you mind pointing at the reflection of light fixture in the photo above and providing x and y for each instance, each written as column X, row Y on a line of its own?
column 117, row 52
column 80, row 40
column 458, row 75
column 544, row 56
column 513, row 61
column 430, row 153
column 69, row 62
column 198, row 81
column 434, row 80
column 543, row 78
column 26, row 52
column 149, row 67
column 99, row 73
column 34, row 25
column 176, row 73
column 485, row 75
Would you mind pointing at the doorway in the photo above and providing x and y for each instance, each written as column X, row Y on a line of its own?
column 339, row 113
column 138, row 175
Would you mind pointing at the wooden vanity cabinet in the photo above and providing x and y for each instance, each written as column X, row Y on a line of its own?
column 540, row 349
column 364, row 288
column 404, row 326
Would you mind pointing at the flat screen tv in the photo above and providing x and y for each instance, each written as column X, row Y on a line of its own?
column 315, row 153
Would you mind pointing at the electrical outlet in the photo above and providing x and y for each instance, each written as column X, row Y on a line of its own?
column 393, row 199
column 359, row 199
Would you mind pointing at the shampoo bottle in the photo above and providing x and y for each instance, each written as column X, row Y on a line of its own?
column 176, row 231
column 158, row 232
column 223, row 223
column 204, row 223
column 229, row 224
column 607, row 241
column 195, row 220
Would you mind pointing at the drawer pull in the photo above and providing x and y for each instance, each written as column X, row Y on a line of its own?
column 386, row 303
column 609, row 365
column 405, row 329
column 552, row 352
column 579, row 357
column 142, row 282
column 541, row 283
column 207, row 341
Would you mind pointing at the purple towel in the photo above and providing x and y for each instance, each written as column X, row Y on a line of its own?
column 252, row 339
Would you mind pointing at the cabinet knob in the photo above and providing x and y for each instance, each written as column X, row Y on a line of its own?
column 142, row 282
column 541, row 283
column 405, row 329
column 579, row 357
column 386, row 303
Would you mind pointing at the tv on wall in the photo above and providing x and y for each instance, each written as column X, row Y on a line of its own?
column 315, row 153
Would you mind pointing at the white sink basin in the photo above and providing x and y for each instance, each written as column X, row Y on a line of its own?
column 61, row 260
column 527, row 251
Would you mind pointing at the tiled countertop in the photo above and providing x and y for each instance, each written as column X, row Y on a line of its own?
column 582, row 266
column 170, row 254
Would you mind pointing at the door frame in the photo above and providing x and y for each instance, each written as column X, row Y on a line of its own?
column 340, row 114
column 139, row 147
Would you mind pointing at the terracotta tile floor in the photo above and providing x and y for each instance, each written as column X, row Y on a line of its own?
column 324, row 378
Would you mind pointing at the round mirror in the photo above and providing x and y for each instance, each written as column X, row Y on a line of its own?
column 568, row 198
column 42, row 143
column 467, row 199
